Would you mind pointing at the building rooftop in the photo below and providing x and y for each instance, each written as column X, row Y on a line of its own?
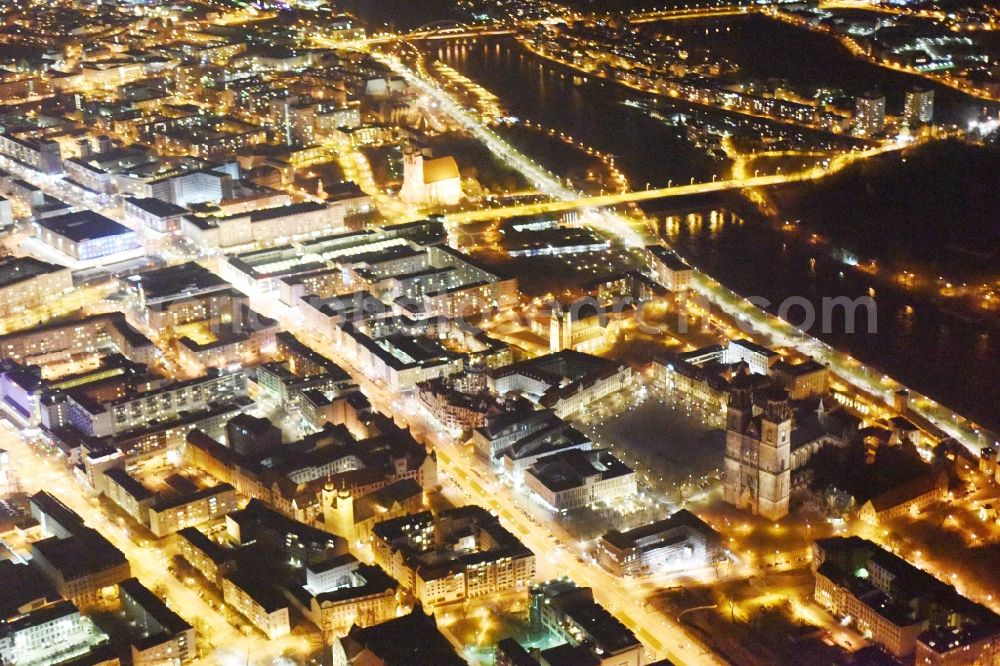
column 639, row 536
column 550, row 439
column 129, row 484
column 367, row 580
column 176, row 281
column 83, row 226
column 750, row 345
column 669, row 258
column 514, row 653
column 448, row 526
column 910, row 490
column 570, row 655
column 440, row 169
column 903, row 423
column 167, row 620
column 79, row 556
column 248, row 424
column 22, row 585
column 385, row 497
column 560, row 367
column 570, row 469
column 43, row 615
column 214, row 551
column 257, row 514
column 195, row 496
column 17, row 269
column 259, row 589
column 55, row 511
column 253, row 216
column 607, row 633
column 405, row 641
column 157, row 207
column 291, row 346
column 799, row 369
column 944, row 639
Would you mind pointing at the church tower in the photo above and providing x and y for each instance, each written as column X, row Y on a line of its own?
column 338, row 511
column 757, row 467
column 414, row 189
column 775, row 456
column 739, row 408
column 328, row 503
column 557, row 329
column 344, row 515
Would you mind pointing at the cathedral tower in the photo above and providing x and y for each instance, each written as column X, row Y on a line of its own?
column 757, row 474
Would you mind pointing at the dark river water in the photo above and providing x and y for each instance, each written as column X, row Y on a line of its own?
column 591, row 111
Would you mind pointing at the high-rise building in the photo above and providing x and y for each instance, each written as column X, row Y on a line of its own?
column 758, row 453
column 105, row 145
column 85, row 147
column 50, row 158
column 869, row 114
column 919, row 106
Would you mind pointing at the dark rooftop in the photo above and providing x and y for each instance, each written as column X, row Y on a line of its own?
column 680, row 519
column 129, row 484
column 169, row 621
column 570, row 655
column 83, row 225
column 405, row 641
column 16, row 269
column 183, row 279
column 21, row 585
column 568, row 469
column 156, row 207
column 262, row 591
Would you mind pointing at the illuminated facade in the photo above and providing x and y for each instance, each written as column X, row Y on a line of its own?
column 902, row 608
column 259, row 602
column 459, row 554
column 161, row 637
column 430, row 181
column 343, row 592
column 758, row 463
column 86, row 236
column 869, row 114
column 27, row 283
column 33, row 638
column 918, row 106
column 169, row 516
column 576, row 478
column 263, row 226
column 682, row 541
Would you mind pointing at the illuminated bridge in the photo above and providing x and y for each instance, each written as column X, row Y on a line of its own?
column 603, row 200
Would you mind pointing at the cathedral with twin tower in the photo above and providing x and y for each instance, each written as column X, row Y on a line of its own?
column 758, row 465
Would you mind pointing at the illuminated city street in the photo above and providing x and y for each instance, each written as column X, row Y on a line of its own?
column 499, row 333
